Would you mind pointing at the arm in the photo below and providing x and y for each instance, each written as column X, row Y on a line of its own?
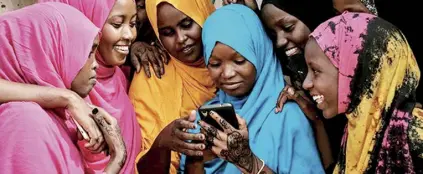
column 156, row 160
column 46, row 97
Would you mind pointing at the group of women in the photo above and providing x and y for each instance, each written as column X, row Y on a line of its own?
column 71, row 104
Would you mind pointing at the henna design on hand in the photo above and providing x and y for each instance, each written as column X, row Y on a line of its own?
column 224, row 123
column 239, row 152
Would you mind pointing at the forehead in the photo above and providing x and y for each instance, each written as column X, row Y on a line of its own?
column 124, row 7
column 168, row 15
column 271, row 14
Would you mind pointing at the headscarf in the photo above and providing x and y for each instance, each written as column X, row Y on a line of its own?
column 183, row 88
column 283, row 140
column 377, row 80
column 38, row 46
column 110, row 92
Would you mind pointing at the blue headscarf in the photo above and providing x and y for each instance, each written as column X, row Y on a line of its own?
column 285, row 140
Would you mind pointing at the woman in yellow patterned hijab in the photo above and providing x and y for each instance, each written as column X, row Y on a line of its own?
column 376, row 75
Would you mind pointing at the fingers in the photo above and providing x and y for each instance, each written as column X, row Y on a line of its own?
column 192, row 116
column 241, row 122
column 222, row 122
column 164, row 56
column 185, row 124
column 100, row 148
column 135, row 60
column 184, row 136
column 146, row 64
column 211, row 132
column 191, row 152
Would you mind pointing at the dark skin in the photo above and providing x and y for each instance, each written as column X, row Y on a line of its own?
column 147, row 50
column 180, row 35
column 290, row 36
column 235, row 75
column 176, row 31
column 320, row 79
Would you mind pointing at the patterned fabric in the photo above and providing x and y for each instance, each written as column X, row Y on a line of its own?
column 378, row 77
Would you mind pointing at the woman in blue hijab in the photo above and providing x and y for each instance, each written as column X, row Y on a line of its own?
column 241, row 61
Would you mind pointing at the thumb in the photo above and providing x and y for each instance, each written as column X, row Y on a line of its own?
column 192, row 116
column 242, row 124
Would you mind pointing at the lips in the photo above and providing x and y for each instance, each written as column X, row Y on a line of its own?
column 231, row 86
column 123, row 49
column 187, row 49
column 292, row 51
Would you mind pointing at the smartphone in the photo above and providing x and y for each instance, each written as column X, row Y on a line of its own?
column 225, row 110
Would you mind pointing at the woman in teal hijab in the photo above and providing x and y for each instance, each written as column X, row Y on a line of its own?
column 241, row 61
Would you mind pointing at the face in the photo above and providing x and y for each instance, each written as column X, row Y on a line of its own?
column 230, row 71
column 349, row 5
column 321, row 80
column 118, row 33
column 141, row 13
column 287, row 32
column 85, row 80
column 179, row 34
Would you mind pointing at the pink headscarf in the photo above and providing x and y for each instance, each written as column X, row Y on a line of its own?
column 340, row 44
column 110, row 92
column 34, row 53
column 38, row 46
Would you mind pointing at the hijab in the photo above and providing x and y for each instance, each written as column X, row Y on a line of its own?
column 38, row 46
column 377, row 81
column 110, row 92
column 283, row 140
column 183, row 88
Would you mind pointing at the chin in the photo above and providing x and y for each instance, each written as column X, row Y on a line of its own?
column 328, row 114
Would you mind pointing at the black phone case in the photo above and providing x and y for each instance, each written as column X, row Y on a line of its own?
column 226, row 111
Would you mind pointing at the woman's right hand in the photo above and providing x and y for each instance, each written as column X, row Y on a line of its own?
column 81, row 111
column 143, row 54
column 175, row 136
column 289, row 93
column 112, row 134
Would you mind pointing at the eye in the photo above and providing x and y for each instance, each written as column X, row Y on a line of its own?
column 240, row 61
column 187, row 23
column 116, row 25
column 133, row 24
column 213, row 64
column 289, row 27
column 167, row 32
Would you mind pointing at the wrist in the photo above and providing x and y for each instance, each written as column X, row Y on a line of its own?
column 68, row 98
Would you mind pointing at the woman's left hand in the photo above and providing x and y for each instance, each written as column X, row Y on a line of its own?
column 232, row 144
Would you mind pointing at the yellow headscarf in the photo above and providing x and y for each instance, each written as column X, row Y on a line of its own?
column 183, row 88
column 377, row 79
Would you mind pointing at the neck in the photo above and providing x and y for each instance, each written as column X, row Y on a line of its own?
column 200, row 63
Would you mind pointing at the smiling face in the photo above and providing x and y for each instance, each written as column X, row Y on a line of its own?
column 230, row 71
column 321, row 80
column 85, row 80
column 179, row 34
column 118, row 33
column 287, row 32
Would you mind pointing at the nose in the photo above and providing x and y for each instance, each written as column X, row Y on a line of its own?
column 182, row 37
column 128, row 34
column 281, row 40
column 95, row 64
column 228, row 72
column 308, row 81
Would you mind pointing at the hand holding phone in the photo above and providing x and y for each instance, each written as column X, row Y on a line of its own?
column 225, row 110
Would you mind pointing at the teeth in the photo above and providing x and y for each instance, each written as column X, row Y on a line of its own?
column 291, row 51
column 318, row 98
column 122, row 48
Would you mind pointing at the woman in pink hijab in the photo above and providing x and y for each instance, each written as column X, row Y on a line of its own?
column 110, row 92
column 33, row 51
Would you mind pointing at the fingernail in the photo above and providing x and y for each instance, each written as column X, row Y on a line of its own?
column 200, row 154
column 95, row 111
column 201, row 137
column 193, row 126
column 212, row 113
column 202, row 147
